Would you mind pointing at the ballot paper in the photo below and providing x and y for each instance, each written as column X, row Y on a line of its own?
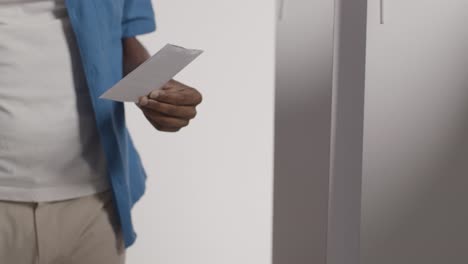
column 152, row 74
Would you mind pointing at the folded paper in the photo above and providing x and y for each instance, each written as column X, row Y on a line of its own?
column 152, row 74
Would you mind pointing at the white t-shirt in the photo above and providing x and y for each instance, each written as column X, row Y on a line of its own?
column 49, row 145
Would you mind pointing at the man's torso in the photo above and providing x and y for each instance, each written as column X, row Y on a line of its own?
column 49, row 144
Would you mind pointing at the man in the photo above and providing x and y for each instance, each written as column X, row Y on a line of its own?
column 69, row 172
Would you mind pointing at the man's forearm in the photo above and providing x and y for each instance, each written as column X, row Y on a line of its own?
column 134, row 54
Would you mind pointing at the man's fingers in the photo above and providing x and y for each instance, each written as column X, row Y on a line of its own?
column 163, row 121
column 184, row 97
column 169, row 129
column 177, row 94
column 161, row 128
column 142, row 101
column 183, row 112
column 154, row 94
column 175, row 86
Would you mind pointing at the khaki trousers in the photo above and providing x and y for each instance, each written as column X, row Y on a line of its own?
column 76, row 231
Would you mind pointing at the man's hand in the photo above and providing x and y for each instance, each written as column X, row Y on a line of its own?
column 168, row 109
column 171, row 107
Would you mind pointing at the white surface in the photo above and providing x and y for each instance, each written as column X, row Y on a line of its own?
column 153, row 74
column 209, row 196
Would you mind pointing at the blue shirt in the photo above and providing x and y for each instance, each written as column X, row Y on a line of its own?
column 99, row 26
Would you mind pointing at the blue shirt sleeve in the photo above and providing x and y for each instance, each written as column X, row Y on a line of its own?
column 138, row 18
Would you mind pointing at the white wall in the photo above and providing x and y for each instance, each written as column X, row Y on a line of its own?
column 209, row 196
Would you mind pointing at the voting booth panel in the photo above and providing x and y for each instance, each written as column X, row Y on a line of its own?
column 370, row 163
column 415, row 141
column 318, row 131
